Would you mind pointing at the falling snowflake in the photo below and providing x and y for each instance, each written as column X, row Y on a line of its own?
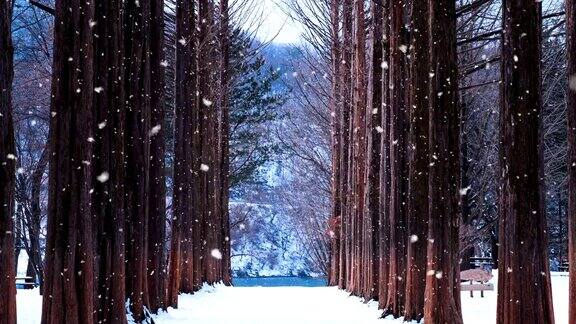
column 103, row 177
column 206, row 102
column 164, row 63
column 98, row 89
column 155, row 130
column 216, row 254
column 384, row 65
column 379, row 129
column 102, row 125
column 11, row 156
column 403, row 48
column 413, row 238
column 439, row 274
column 204, row 167
column 464, row 191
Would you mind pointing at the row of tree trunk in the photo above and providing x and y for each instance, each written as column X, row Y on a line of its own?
column 7, row 170
column 107, row 237
column 396, row 160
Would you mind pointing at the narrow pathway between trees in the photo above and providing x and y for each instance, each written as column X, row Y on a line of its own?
column 271, row 305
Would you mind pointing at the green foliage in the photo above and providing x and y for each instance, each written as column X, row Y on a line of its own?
column 255, row 96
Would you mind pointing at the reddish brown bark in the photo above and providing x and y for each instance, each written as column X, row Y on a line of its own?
column 109, row 159
column 157, row 200
column 398, row 162
column 418, row 159
column 7, row 170
column 522, row 199
column 335, row 110
column 69, row 271
column 359, row 145
column 346, row 90
column 202, row 149
column 181, row 257
column 224, row 141
column 209, row 158
column 374, row 136
column 442, row 296
column 384, row 199
column 137, row 89
column 571, row 97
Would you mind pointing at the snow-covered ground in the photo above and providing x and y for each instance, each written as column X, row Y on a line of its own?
column 302, row 305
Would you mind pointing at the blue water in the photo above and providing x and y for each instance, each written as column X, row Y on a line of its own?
column 279, row 282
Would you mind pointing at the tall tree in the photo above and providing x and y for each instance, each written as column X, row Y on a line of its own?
column 202, row 148
column 69, row 271
column 109, row 161
column 345, row 190
column 7, row 169
column 374, row 135
column 224, row 141
column 522, row 199
column 336, row 217
column 398, row 161
column 571, row 98
column 181, row 257
column 384, row 200
column 138, row 113
column 442, row 296
column 157, row 200
column 359, row 95
column 417, row 222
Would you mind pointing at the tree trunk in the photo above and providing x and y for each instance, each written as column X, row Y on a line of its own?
column 137, row 78
column 157, row 200
column 335, row 110
column 442, row 296
column 359, row 145
column 374, row 137
column 522, row 198
column 225, row 73
column 34, row 223
column 398, row 162
column 69, row 271
column 418, row 161
column 181, row 254
column 7, row 170
column 109, row 161
column 571, row 98
column 346, row 90
column 384, row 200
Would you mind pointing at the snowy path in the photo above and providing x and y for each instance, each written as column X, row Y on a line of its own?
column 296, row 305
column 271, row 305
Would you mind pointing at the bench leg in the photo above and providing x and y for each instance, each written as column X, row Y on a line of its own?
column 482, row 293
column 471, row 291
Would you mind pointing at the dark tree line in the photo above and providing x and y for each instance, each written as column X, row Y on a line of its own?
column 7, row 169
column 108, row 239
column 401, row 165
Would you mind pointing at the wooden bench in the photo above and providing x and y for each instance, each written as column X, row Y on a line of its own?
column 477, row 281
column 472, row 287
